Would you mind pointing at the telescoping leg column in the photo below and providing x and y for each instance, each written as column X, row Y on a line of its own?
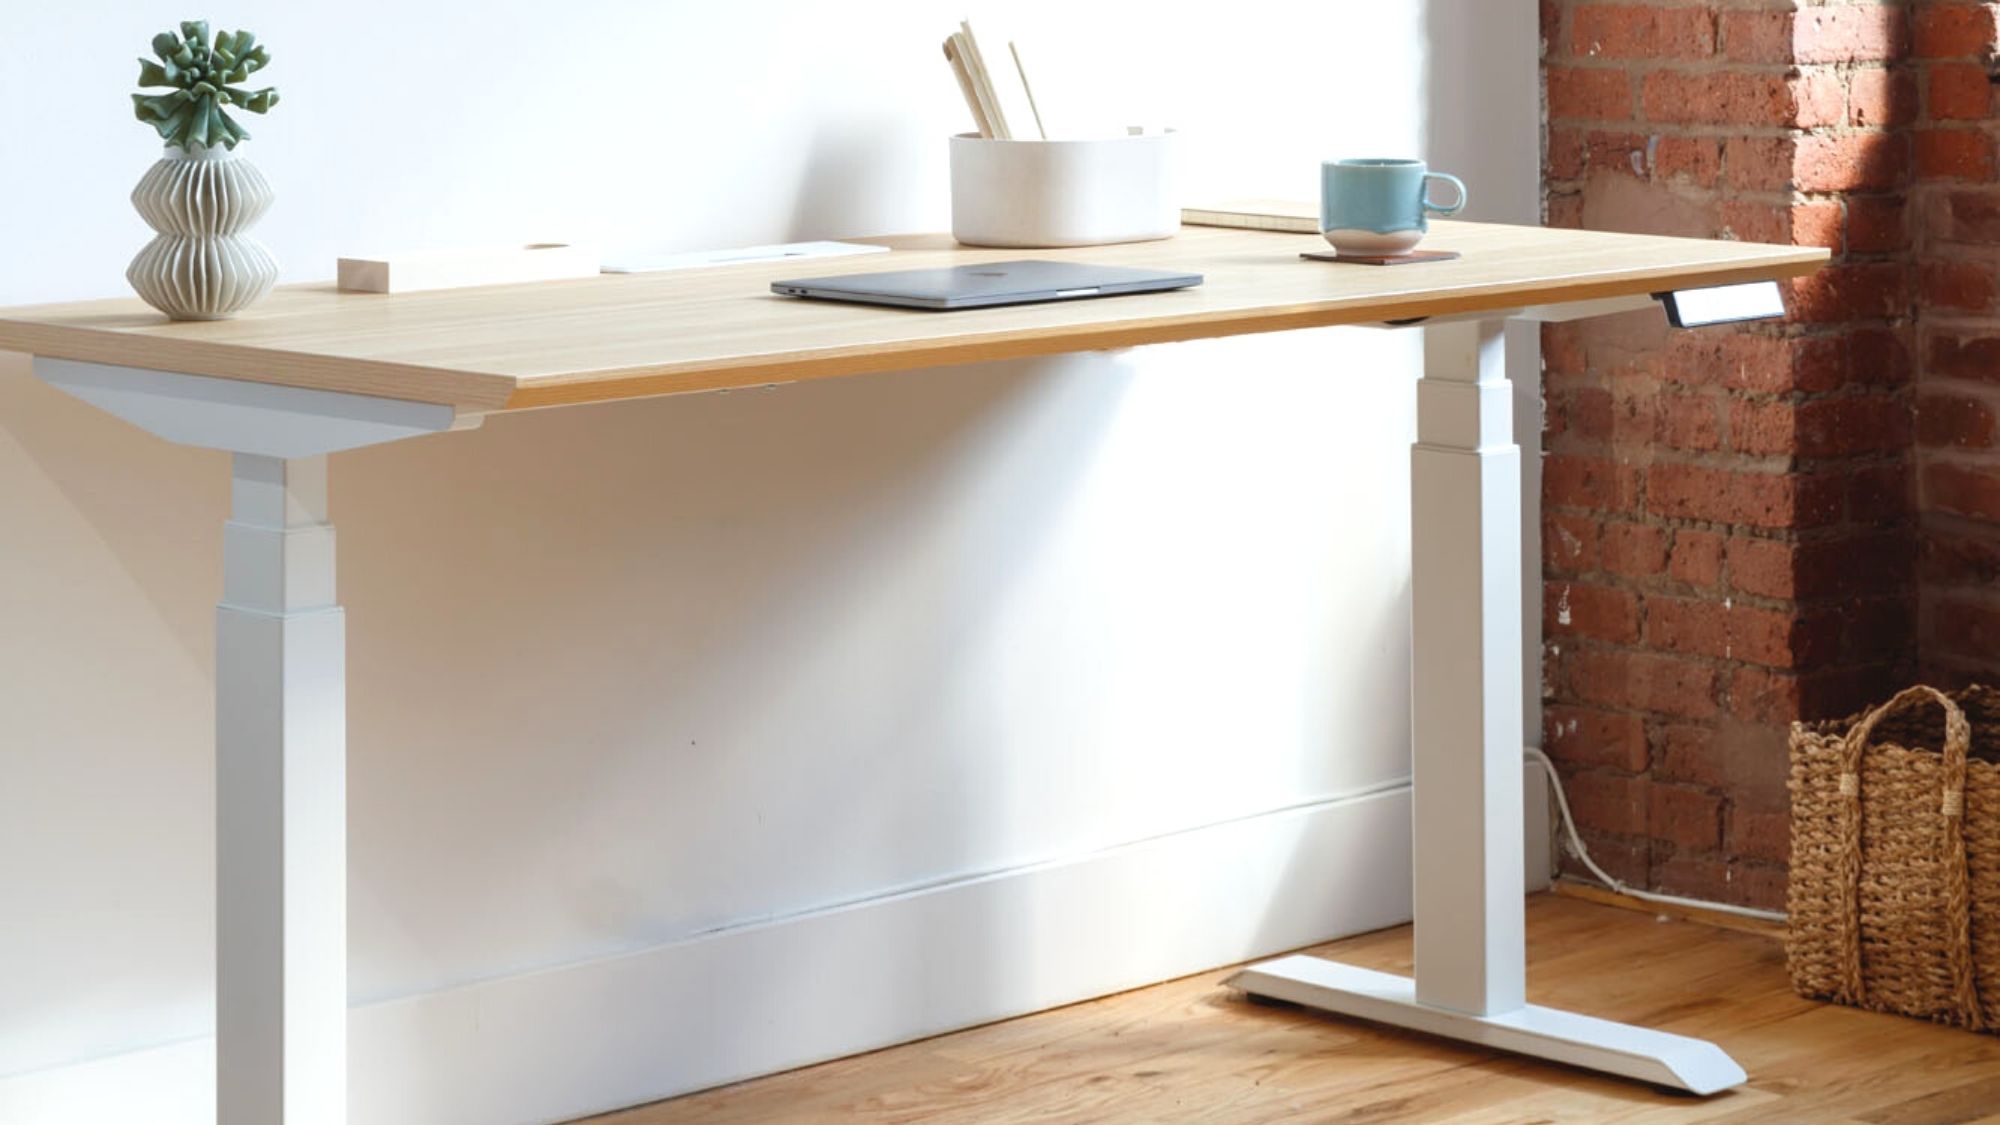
column 1470, row 943
column 280, row 719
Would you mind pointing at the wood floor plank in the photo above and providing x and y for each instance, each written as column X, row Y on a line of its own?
column 1958, row 1101
column 1193, row 1051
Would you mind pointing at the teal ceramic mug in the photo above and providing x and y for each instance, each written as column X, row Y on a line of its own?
column 1376, row 206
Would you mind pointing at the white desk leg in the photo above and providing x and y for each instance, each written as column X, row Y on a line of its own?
column 1465, row 687
column 280, row 719
column 1470, row 945
column 281, row 804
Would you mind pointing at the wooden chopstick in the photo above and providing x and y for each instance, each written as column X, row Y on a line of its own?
column 965, row 86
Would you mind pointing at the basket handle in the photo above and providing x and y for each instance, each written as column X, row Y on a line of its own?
column 1951, row 850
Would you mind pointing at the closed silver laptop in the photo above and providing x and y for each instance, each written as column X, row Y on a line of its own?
column 992, row 283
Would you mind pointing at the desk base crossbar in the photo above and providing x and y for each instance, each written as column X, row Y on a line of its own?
column 1695, row 1065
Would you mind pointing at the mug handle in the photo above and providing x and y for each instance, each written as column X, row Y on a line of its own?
column 1454, row 181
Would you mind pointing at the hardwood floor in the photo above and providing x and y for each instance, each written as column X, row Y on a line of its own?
column 1193, row 1051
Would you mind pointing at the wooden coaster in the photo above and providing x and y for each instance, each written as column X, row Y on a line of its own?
column 1381, row 259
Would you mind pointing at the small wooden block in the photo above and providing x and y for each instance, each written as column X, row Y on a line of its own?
column 454, row 269
column 1381, row 259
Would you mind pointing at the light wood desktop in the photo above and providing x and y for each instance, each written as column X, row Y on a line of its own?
column 631, row 335
column 312, row 371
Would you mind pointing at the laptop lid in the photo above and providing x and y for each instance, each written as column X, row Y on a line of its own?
column 986, row 284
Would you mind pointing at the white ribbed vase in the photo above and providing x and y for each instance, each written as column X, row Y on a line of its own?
column 202, row 266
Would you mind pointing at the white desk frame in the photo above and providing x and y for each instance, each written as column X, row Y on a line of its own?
column 1465, row 725
column 281, row 698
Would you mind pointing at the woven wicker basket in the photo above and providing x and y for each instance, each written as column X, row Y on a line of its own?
column 1895, row 885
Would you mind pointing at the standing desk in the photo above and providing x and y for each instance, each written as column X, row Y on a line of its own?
column 312, row 371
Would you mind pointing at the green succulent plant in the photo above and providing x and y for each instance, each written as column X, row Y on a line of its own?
column 200, row 77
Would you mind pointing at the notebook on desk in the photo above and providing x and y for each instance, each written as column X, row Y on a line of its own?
column 987, row 284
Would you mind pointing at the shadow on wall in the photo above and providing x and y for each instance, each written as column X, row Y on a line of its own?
column 812, row 569
column 622, row 674
column 162, row 532
column 808, row 549
column 109, row 572
column 846, row 171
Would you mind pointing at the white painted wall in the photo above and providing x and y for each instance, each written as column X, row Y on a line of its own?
column 624, row 675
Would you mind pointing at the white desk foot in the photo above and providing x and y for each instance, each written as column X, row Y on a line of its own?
column 1694, row 1065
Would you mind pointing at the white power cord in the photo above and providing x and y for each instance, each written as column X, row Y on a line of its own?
column 1582, row 854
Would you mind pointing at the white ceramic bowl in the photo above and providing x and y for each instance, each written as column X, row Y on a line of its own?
column 1064, row 193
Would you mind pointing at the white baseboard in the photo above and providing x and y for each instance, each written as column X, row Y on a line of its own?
column 586, row 1038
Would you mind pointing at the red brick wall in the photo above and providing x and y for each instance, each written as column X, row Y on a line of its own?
column 1957, row 248
column 1729, row 521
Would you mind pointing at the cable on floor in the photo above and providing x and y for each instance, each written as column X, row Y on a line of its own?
column 1574, row 845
